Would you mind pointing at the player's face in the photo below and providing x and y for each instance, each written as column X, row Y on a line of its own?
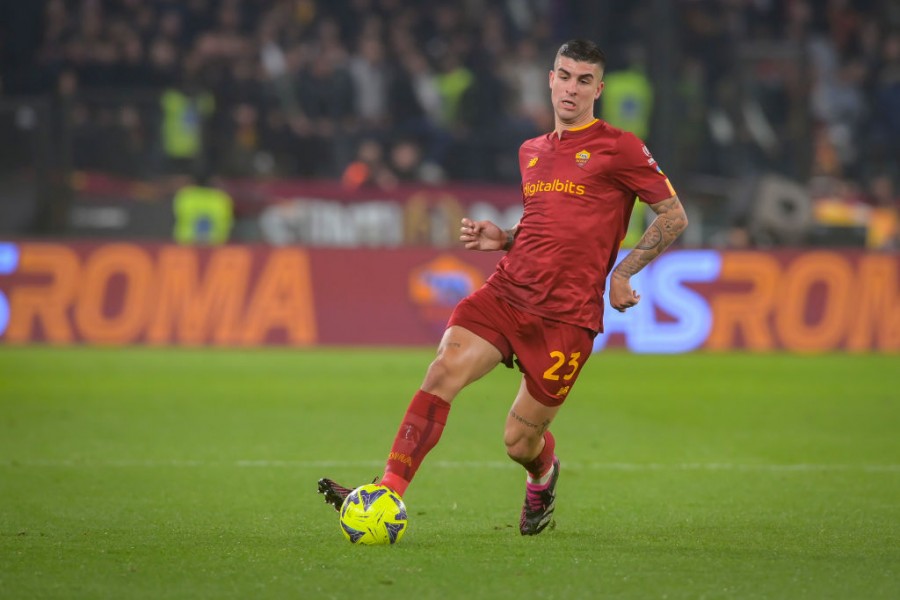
column 574, row 86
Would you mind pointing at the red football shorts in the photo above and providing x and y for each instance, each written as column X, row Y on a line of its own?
column 549, row 353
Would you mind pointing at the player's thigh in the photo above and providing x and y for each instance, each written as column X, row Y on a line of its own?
column 552, row 359
column 462, row 357
column 527, row 420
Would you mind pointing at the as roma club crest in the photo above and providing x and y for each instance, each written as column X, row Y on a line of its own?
column 582, row 157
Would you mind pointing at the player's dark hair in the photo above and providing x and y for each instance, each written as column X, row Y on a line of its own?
column 582, row 51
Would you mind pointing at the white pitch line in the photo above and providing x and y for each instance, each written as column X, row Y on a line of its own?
column 446, row 464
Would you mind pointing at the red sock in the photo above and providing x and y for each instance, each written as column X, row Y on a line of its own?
column 418, row 434
column 541, row 464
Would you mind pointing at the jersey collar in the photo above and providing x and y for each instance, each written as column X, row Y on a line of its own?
column 577, row 130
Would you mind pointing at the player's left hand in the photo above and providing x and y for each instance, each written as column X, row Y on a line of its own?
column 621, row 296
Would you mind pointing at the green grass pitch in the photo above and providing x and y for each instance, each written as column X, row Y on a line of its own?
column 159, row 473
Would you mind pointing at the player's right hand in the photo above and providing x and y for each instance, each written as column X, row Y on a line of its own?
column 481, row 235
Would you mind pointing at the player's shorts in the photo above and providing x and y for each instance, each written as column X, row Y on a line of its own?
column 549, row 353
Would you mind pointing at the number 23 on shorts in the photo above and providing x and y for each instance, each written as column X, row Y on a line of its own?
column 553, row 373
column 562, row 368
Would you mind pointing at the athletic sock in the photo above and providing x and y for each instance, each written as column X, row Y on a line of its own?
column 543, row 481
column 419, row 432
column 541, row 468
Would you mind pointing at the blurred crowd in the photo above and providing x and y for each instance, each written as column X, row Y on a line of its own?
column 375, row 92
column 298, row 87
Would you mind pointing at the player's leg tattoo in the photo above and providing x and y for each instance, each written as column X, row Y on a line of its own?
column 540, row 428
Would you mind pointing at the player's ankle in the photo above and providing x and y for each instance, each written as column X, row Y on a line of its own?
column 544, row 480
column 395, row 482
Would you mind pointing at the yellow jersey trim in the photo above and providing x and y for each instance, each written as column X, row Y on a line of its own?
column 583, row 126
column 669, row 185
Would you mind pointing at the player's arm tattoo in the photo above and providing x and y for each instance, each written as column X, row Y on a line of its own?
column 670, row 221
column 540, row 428
column 510, row 237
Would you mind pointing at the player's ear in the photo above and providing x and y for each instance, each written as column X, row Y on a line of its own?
column 599, row 91
column 552, row 74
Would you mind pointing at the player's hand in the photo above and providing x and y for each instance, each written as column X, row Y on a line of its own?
column 481, row 235
column 621, row 296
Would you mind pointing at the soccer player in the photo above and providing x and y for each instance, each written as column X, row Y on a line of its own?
column 543, row 305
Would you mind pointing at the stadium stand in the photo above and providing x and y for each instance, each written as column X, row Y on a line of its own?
column 445, row 91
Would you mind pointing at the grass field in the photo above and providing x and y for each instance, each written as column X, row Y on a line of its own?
column 150, row 473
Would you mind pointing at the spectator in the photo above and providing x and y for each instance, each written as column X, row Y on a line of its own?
column 453, row 79
column 186, row 109
column 369, row 168
column 408, row 163
column 371, row 81
column 486, row 135
column 204, row 214
column 884, row 136
column 526, row 77
column 416, row 106
column 627, row 101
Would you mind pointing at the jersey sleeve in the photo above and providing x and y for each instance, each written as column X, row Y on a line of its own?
column 638, row 171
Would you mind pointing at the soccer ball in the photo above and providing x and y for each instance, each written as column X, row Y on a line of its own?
column 373, row 515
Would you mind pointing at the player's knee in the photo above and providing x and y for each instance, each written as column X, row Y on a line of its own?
column 439, row 371
column 522, row 445
column 442, row 378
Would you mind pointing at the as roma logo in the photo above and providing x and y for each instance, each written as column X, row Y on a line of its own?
column 582, row 157
column 437, row 286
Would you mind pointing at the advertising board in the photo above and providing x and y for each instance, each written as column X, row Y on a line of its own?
column 249, row 295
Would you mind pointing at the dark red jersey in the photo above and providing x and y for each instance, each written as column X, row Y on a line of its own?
column 579, row 191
